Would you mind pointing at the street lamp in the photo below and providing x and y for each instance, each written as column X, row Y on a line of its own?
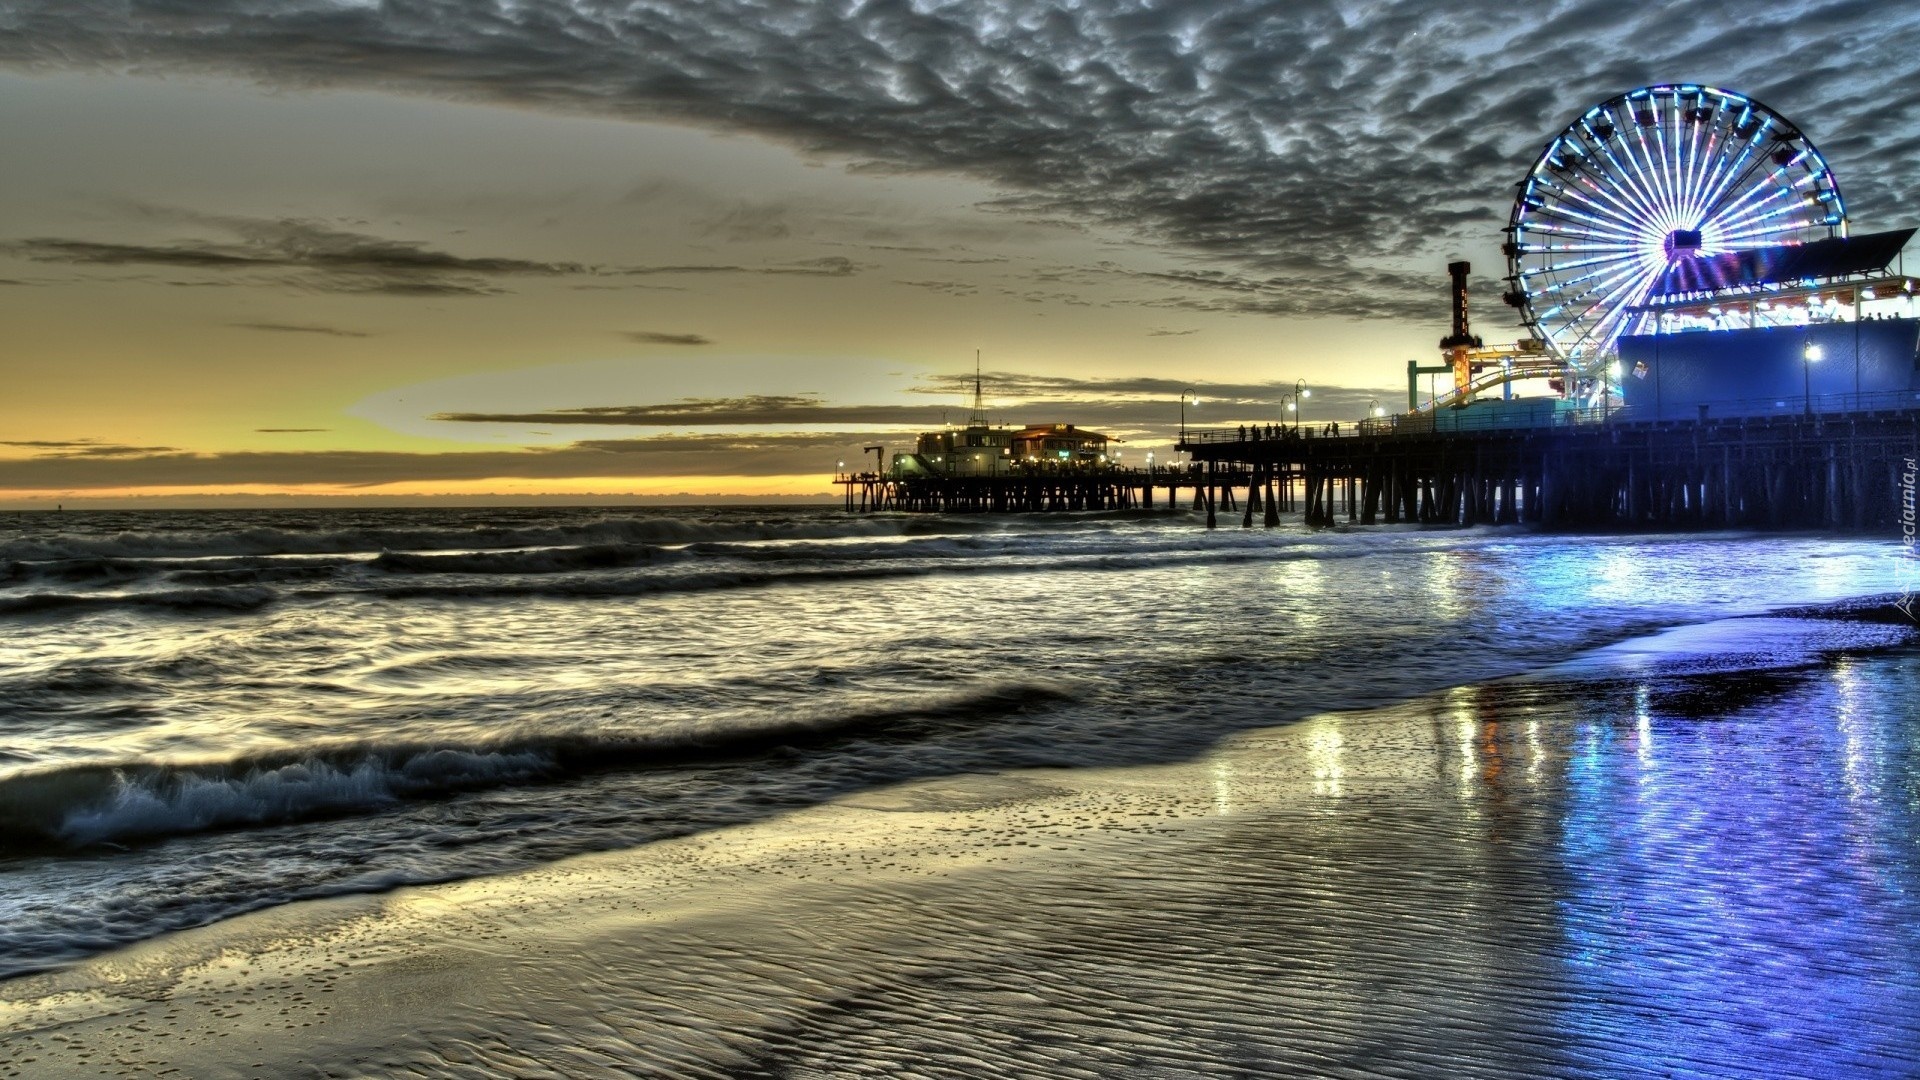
column 1184, row 395
column 1374, row 409
column 1300, row 394
column 1811, row 354
column 1149, row 461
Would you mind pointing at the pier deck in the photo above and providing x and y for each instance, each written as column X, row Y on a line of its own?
column 1823, row 470
column 1846, row 469
column 1105, row 488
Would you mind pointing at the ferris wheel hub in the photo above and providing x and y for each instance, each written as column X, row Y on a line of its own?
column 1682, row 244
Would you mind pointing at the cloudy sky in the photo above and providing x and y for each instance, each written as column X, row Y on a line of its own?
column 413, row 248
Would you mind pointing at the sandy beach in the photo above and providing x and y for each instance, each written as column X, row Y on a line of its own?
column 1631, row 865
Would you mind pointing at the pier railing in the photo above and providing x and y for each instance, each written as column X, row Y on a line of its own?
column 1448, row 421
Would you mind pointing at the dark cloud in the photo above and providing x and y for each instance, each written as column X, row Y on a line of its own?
column 328, row 259
column 320, row 256
column 295, row 328
column 655, row 337
column 752, row 410
column 1143, row 396
column 1331, row 154
column 969, row 260
column 1161, row 331
column 198, row 257
column 1148, row 407
column 951, row 288
column 84, row 448
column 827, row 266
column 419, row 286
column 671, row 456
column 290, row 430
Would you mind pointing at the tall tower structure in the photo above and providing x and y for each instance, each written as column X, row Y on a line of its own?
column 979, row 416
column 1459, row 345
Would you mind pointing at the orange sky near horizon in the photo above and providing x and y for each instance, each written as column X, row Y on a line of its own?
column 804, row 487
column 645, row 265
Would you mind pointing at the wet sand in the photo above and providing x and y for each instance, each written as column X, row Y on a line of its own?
column 1637, row 866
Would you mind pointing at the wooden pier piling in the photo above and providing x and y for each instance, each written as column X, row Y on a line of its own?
column 1825, row 471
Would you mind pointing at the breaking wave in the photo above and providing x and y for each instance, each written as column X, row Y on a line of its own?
column 538, row 561
column 91, row 804
column 245, row 598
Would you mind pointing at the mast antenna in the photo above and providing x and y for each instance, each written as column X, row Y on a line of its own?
column 979, row 417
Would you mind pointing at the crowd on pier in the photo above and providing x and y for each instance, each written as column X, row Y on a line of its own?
column 1258, row 432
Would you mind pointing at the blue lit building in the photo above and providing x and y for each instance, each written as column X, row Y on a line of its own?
column 1823, row 327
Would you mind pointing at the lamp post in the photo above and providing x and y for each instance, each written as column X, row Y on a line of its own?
column 1810, row 355
column 1184, row 395
column 1287, row 410
column 1149, row 462
column 1300, row 394
column 1373, row 408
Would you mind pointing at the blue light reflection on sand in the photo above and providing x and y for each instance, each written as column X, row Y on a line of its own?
column 1730, row 892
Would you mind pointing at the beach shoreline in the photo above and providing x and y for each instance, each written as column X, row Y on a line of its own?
column 1508, row 878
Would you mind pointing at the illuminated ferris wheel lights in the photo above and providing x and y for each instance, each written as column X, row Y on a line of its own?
column 1642, row 181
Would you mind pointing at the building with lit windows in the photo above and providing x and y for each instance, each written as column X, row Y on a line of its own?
column 1060, row 443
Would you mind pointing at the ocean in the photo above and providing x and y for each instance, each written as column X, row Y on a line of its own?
column 207, row 713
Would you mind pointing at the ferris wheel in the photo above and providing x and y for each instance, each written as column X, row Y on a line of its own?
column 1641, row 181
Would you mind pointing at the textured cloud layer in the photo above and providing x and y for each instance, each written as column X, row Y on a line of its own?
column 1320, row 149
column 1145, row 408
column 324, row 258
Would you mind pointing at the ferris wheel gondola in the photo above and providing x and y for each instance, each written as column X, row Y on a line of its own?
column 1638, row 182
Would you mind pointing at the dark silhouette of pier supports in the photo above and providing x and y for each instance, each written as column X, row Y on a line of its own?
column 1049, row 490
column 1828, row 471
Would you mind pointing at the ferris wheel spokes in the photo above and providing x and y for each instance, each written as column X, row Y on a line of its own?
column 1641, row 181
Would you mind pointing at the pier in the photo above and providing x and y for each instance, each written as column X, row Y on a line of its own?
column 1839, row 468
column 1038, row 491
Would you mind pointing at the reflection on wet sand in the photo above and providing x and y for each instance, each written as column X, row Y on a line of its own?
column 1624, row 871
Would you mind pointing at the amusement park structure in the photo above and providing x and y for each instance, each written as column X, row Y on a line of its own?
column 1717, row 347
column 1682, row 245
